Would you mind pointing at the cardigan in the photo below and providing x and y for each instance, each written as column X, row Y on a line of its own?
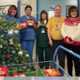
column 71, row 29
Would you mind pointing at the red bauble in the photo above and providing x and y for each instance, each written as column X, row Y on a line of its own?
column 8, row 56
column 10, row 11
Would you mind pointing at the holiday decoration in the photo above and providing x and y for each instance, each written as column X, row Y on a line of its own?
column 4, row 71
column 30, row 22
column 8, row 56
column 10, row 11
column 1, row 46
column 19, row 75
column 11, row 41
column 51, row 72
column 20, row 53
column 10, row 49
column 22, row 25
column 27, row 55
column 10, row 32
column 16, row 31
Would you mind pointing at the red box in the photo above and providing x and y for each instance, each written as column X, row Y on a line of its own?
column 19, row 75
column 4, row 71
column 51, row 72
column 22, row 25
column 30, row 22
column 22, row 75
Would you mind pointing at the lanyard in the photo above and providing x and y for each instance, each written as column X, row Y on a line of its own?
column 56, row 22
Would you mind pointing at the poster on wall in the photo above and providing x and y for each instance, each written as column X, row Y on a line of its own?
column 51, row 13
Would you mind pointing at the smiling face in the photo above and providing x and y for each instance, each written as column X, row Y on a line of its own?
column 14, row 12
column 28, row 11
column 43, row 16
column 73, row 13
column 57, row 11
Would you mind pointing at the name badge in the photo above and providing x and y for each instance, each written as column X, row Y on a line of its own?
column 57, row 29
column 42, row 31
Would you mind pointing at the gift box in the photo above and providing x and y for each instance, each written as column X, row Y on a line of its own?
column 30, row 22
column 22, row 25
column 51, row 72
column 4, row 71
column 19, row 75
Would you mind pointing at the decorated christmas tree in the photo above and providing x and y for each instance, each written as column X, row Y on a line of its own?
column 10, row 48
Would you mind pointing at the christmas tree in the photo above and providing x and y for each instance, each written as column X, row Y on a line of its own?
column 10, row 48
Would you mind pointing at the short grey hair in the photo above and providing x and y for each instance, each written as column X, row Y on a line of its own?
column 57, row 6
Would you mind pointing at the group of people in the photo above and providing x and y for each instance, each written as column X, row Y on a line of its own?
column 49, row 34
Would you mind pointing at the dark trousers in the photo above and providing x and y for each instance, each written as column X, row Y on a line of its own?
column 40, row 51
column 61, row 55
column 71, row 58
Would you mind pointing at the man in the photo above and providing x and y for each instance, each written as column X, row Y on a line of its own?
column 54, row 34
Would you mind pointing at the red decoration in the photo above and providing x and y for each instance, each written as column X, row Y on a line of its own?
column 51, row 72
column 30, row 22
column 22, row 25
column 4, row 71
column 10, row 11
column 19, row 74
column 8, row 56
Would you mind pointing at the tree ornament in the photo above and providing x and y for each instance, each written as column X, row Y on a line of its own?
column 10, row 33
column 13, row 51
column 8, row 56
column 20, row 53
column 11, row 41
column 16, row 31
column 27, row 55
column 10, row 11
column 3, row 12
column 1, row 46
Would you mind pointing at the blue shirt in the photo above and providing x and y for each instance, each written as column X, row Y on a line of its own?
column 11, row 19
column 28, row 33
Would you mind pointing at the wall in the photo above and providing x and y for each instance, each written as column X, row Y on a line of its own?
column 62, row 3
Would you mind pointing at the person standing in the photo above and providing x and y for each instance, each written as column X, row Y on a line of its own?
column 71, row 33
column 42, row 40
column 27, row 35
column 12, row 16
column 54, row 35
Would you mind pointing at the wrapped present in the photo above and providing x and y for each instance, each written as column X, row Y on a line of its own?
column 4, row 71
column 15, row 74
column 22, row 75
column 19, row 75
column 22, row 25
column 51, row 72
column 30, row 22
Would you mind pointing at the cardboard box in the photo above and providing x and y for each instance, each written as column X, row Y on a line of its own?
column 30, row 22
column 4, row 71
column 22, row 25
column 51, row 72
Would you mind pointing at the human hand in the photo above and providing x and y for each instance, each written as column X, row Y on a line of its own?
column 51, row 43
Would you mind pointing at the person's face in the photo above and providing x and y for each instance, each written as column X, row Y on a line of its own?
column 28, row 11
column 14, row 12
column 73, row 13
column 57, row 11
column 43, row 16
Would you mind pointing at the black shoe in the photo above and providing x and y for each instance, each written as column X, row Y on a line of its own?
column 32, row 69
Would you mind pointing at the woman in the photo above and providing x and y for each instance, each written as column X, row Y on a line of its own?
column 71, row 33
column 27, row 36
column 11, row 16
column 42, row 39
